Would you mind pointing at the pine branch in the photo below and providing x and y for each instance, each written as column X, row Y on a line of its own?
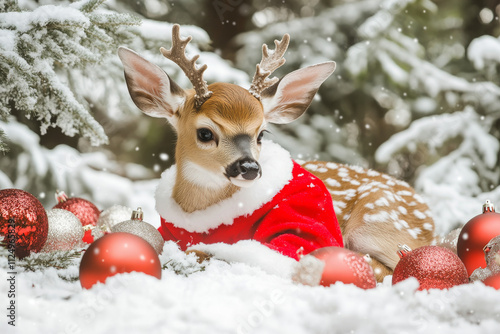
column 183, row 267
column 57, row 260
column 3, row 139
column 88, row 6
column 45, row 43
column 8, row 6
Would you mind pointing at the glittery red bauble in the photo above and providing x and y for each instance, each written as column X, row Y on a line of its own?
column 434, row 267
column 117, row 253
column 84, row 210
column 343, row 265
column 23, row 213
column 474, row 236
column 493, row 281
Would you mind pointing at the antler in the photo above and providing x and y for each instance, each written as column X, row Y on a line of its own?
column 271, row 60
column 177, row 54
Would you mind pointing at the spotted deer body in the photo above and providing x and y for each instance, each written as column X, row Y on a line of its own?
column 228, row 184
column 376, row 212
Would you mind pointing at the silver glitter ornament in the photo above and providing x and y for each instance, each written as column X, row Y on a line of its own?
column 65, row 231
column 480, row 274
column 142, row 229
column 450, row 240
column 492, row 257
column 492, row 254
column 109, row 218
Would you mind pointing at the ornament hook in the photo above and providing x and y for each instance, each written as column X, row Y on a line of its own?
column 488, row 206
column 61, row 196
column 403, row 250
column 137, row 214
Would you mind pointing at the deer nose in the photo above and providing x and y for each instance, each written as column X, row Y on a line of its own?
column 248, row 168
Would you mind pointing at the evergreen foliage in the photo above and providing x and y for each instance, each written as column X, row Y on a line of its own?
column 416, row 91
column 36, row 49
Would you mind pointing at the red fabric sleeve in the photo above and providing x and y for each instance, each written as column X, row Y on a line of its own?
column 165, row 233
column 301, row 215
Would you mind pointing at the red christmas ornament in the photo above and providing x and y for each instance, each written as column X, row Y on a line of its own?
column 117, row 253
column 85, row 211
column 23, row 222
column 475, row 235
column 493, row 281
column 340, row 265
column 434, row 267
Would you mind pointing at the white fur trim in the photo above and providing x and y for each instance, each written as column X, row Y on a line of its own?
column 276, row 167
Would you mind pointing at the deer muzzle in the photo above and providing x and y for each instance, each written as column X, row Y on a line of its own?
column 245, row 170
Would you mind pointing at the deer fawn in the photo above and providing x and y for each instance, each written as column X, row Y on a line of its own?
column 229, row 184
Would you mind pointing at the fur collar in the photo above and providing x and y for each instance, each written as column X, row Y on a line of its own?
column 276, row 167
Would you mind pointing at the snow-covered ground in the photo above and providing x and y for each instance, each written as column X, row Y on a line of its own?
column 237, row 297
column 247, row 289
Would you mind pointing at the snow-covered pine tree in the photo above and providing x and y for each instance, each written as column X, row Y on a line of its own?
column 425, row 71
column 38, row 50
column 401, row 62
column 114, row 174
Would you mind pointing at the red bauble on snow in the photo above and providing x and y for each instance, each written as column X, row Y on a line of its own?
column 434, row 267
column 336, row 264
column 117, row 253
column 475, row 235
column 493, row 281
column 85, row 211
column 23, row 222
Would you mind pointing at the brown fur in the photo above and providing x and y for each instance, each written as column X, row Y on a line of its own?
column 235, row 111
column 376, row 212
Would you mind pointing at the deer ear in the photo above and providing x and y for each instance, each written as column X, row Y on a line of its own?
column 289, row 98
column 150, row 87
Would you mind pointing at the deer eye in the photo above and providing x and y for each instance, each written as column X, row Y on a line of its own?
column 205, row 135
column 259, row 137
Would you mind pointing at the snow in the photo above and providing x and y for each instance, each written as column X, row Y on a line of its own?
column 88, row 175
column 484, row 50
column 24, row 21
column 453, row 180
column 7, row 40
column 238, row 297
column 161, row 31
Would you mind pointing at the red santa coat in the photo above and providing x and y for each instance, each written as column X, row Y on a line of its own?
column 288, row 209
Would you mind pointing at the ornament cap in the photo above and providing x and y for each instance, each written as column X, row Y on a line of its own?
column 137, row 214
column 88, row 227
column 403, row 250
column 61, row 196
column 488, row 206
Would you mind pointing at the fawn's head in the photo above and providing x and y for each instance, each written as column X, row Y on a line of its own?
column 220, row 126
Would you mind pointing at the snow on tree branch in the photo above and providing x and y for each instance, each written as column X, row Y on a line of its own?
column 37, row 46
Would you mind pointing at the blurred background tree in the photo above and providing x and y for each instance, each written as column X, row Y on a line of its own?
column 416, row 91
